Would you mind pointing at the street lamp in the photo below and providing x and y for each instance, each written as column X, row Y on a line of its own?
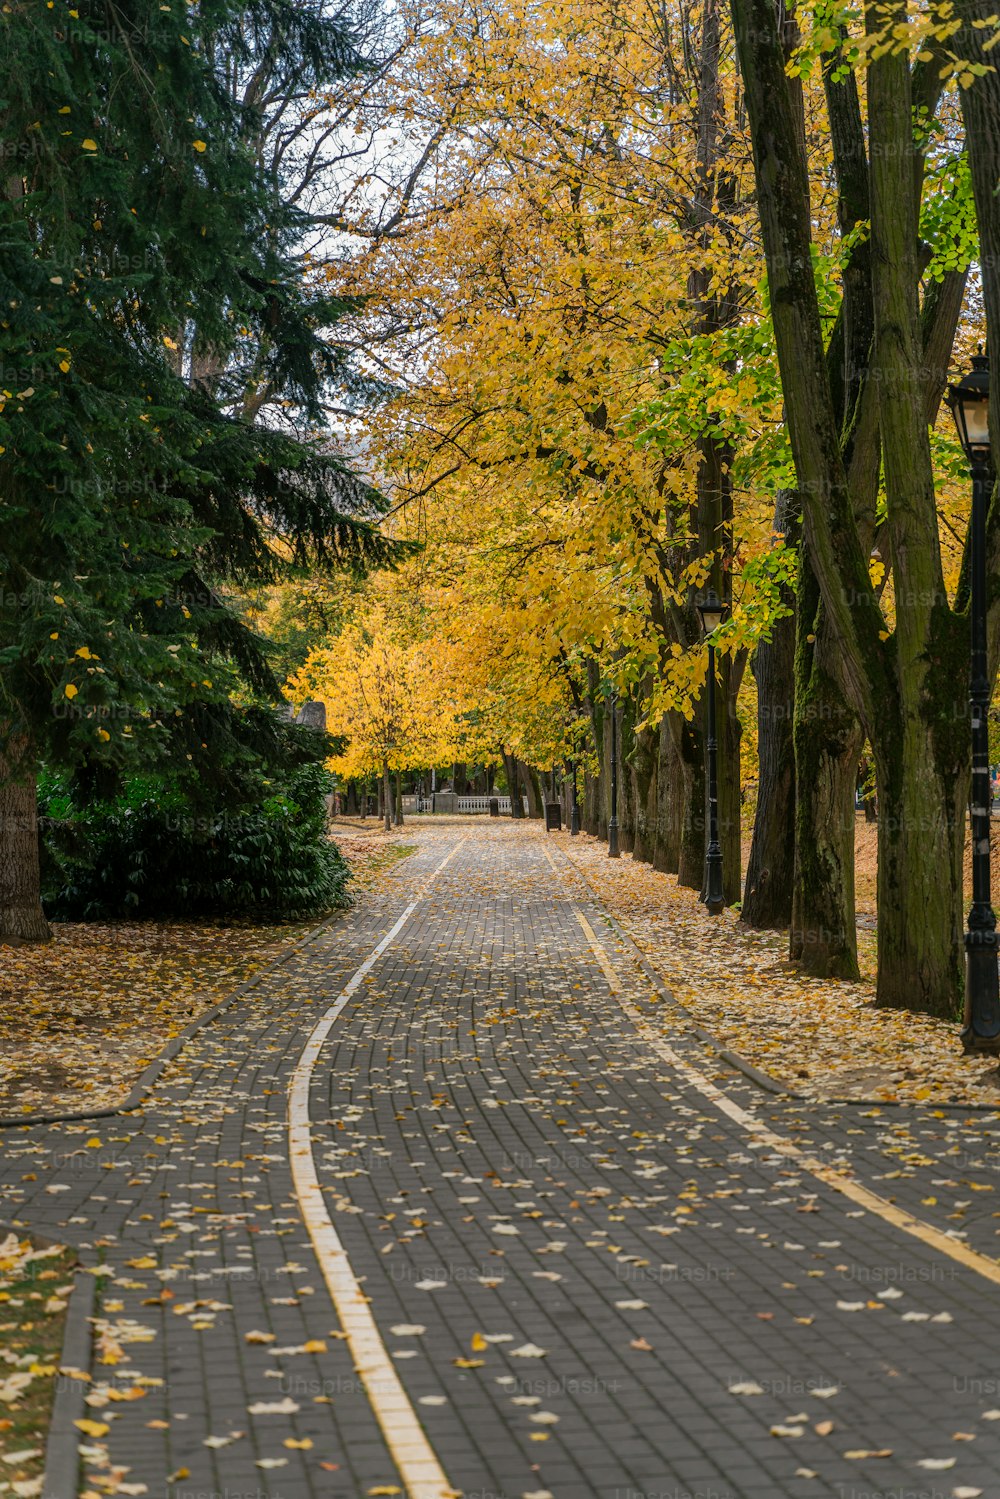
column 969, row 402
column 613, row 852
column 711, row 610
column 574, row 810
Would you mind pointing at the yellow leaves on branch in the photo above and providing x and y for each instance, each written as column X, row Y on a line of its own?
column 382, row 695
column 553, row 241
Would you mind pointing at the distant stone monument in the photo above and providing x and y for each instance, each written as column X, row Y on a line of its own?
column 312, row 715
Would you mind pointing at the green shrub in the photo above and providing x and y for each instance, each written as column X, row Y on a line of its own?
column 150, row 853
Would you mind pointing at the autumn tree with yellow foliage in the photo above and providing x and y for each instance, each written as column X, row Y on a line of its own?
column 564, row 284
column 575, row 394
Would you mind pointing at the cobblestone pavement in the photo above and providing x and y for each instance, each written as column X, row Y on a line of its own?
column 592, row 1282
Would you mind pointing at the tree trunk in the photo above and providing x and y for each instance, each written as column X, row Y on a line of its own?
column 351, row 804
column 595, row 816
column 896, row 679
column 628, row 810
column 399, row 799
column 643, row 772
column 866, row 789
column 827, row 742
column 532, row 789
column 921, row 836
column 591, row 805
column 386, row 797
column 767, row 897
column 730, row 673
column 21, row 916
column 689, row 748
column 669, row 803
column 513, row 783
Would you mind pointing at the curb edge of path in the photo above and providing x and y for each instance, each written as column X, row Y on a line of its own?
column 170, row 1049
column 62, row 1459
column 763, row 1080
column 62, row 1455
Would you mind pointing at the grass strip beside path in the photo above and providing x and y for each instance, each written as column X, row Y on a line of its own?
column 35, row 1283
column 82, row 1016
column 823, row 1038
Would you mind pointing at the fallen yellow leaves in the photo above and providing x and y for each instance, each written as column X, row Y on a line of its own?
column 92, row 1428
column 32, row 1337
column 82, row 1016
column 822, row 1039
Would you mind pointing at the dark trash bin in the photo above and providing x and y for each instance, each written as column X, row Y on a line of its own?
column 553, row 817
column 494, row 806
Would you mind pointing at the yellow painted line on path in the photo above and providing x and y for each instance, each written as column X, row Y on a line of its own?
column 415, row 1459
column 933, row 1237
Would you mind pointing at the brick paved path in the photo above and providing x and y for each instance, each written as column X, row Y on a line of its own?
column 590, row 1280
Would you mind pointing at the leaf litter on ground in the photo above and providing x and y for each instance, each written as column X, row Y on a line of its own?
column 83, row 1015
column 822, row 1038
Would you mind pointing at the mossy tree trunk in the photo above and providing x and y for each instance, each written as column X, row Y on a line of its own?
column 689, row 752
column 532, row 788
column 627, row 718
column 596, row 800
column 513, row 783
column 21, row 916
column 767, row 898
column 729, row 675
column 669, row 805
column 827, row 739
column 894, row 681
column 923, row 784
column 644, row 776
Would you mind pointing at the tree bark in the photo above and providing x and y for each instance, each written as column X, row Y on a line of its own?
column 921, row 752
column 644, row 775
column 386, row 797
column 626, row 798
column 595, row 814
column 730, row 671
column 827, row 741
column 533, row 790
column 868, row 802
column 767, row 897
column 21, row 916
column 896, row 681
column 398, row 819
column 689, row 752
column 921, row 827
column 513, row 783
column 669, row 804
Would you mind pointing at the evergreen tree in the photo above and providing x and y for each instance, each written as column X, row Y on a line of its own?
column 147, row 259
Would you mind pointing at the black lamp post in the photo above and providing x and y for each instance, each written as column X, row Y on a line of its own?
column 969, row 402
column 613, row 852
column 574, row 810
column 711, row 610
